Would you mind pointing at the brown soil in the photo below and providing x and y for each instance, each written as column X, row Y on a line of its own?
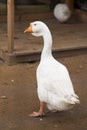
column 18, row 87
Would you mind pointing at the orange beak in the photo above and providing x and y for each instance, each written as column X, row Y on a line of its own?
column 29, row 29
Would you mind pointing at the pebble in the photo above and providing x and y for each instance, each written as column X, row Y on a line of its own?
column 3, row 97
column 77, row 71
column 80, row 66
column 12, row 80
column 41, row 119
column 31, row 66
column 55, row 125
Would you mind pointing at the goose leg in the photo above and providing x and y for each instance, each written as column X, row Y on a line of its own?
column 40, row 112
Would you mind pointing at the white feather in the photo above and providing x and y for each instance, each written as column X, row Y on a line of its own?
column 54, row 84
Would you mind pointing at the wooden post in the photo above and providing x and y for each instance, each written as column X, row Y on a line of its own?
column 10, row 25
column 70, row 4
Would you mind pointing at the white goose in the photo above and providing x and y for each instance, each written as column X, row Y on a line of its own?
column 54, row 84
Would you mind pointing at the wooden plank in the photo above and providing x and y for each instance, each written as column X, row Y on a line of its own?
column 17, row 57
column 70, row 4
column 10, row 25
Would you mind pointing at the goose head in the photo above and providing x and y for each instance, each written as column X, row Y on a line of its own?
column 37, row 28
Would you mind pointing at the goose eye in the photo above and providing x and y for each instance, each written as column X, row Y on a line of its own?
column 35, row 24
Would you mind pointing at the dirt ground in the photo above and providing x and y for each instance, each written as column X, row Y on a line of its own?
column 18, row 98
column 18, row 86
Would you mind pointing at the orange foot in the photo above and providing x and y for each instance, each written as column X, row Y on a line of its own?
column 36, row 114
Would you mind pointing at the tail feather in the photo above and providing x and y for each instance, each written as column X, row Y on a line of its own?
column 73, row 99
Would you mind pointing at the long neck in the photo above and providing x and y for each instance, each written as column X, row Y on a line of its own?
column 47, row 49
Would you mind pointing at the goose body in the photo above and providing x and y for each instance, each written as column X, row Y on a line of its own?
column 54, row 84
